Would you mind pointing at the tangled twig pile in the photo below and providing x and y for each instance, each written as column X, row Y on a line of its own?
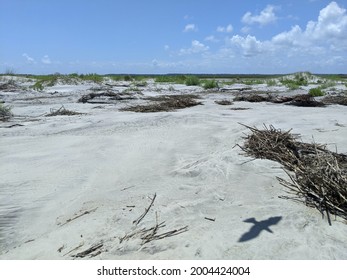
column 165, row 103
column 318, row 177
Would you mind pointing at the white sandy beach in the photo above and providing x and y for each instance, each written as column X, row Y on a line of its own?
column 71, row 182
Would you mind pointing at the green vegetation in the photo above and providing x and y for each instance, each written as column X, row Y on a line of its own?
column 250, row 82
column 192, row 81
column 327, row 84
column 209, row 84
column 177, row 79
column 271, row 83
column 316, row 92
column 5, row 112
column 300, row 79
column 92, row 77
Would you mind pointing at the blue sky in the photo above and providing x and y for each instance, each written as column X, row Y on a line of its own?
column 176, row 36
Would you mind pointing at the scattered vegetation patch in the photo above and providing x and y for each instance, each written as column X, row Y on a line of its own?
column 318, row 177
column 271, row 83
column 192, row 81
column 299, row 79
column 5, row 112
column 210, row 84
column 165, row 103
column 316, row 92
column 62, row 112
column 177, row 79
column 224, row 102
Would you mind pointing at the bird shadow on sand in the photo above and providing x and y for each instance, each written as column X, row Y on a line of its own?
column 258, row 227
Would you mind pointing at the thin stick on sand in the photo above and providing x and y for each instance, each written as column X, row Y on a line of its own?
column 139, row 219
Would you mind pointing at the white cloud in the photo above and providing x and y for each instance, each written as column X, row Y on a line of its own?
column 196, row 47
column 28, row 58
column 211, row 38
column 166, row 47
column 227, row 29
column 190, row 27
column 245, row 29
column 265, row 17
column 329, row 30
column 46, row 60
column 249, row 45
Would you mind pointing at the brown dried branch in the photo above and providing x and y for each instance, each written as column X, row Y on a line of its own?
column 139, row 219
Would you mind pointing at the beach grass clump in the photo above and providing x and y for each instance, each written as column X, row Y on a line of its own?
column 271, row 83
column 192, row 80
column 316, row 92
column 210, row 84
column 177, row 79
column 299, row 79
column 92, row 77
column 318, row 177
column 5, row 112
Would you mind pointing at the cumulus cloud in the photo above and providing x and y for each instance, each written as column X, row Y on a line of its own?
column 265, row 17
column 28, row 58
column 46, row 60
column 249, row 45
column 190, row 27
column 330, row 28
column 196, row 47
column 227, row 29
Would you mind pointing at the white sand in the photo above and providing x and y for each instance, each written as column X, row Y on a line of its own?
column 107, row 160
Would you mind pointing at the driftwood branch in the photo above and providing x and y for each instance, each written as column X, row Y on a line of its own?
column 78, row 216
column 139, row 219
column 89, row 251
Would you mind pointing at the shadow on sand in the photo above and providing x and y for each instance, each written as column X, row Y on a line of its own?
column 258, row 227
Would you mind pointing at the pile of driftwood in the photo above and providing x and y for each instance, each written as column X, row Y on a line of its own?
column 335, row 99
column 301, row 100
column 318, row 177
column 106, row 97
column 62, row 112
column 166, row 103
column 224, row 102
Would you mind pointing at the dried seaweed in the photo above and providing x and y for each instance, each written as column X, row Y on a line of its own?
column 165, row 103
column 62, row 112
column 318, row 177
column 224, row 102
column 337, row 99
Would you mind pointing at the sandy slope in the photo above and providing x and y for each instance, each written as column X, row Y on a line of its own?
column 111, row 163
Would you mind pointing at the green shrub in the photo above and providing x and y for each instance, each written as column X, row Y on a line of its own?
column 92, row 77
column 5, row 112
column 316, row 92
column 38, row 86
column 208, row 84
column 178, row 79
column 128, row 78
column 192, row 81
column 271, row 83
